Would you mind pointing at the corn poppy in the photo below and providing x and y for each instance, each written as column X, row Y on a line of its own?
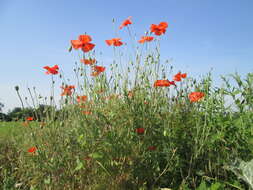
column 67, row 90
column 140, row 130
column 83, row 42
column 159, row 29
column 88, row 61
column 146, row 39
column 97, row 70
column 126, row 22
column 81, row 99
column 179, row 76
column 114, row 42
column 29, row 119
column 87, row 47
column 196, row 96
column 163, row 83
column 84, row 38
column 32, row 150
column 52, row 70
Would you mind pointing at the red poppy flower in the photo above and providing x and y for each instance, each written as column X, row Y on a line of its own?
column 163, row 83
column 67, row 90
column 83, row 42
column 126, row 22
column 84, row 38
column 88, row 61
column 97, row 70
column 146, row 39
column 52, row 70
column 87, row 47
column 114, row 41
column 159, row 29
column 32, row 150
column 29, row 119
column 152, row 148
column 81, row 99
column 179, row 76
column 196, row 96
column 140, row 130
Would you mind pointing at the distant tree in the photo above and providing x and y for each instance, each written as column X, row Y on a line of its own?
column 1, row 106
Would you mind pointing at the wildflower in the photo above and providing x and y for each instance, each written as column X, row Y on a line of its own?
column 146, row 39
column 67, row 90
column 85, row 38
column 83, row 42
column 196, row 96
column 29, row 119
column 159, row 29
column 114, row 41
column 88, row 61
column 87, row 47
column 163, row 83
column 179, row 76
column 140, row 130
column 126, row 22
column 32, row 150
column 52, row 70
column 81, row 99
column 152, row 148
column 97, row 70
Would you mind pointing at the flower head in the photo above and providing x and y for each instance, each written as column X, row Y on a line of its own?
column 159, row 29
column 52, row 70
column 83, row 42
column 179, row 76
column 97, row 70
column 32, row 150
column 29, row 119
column 88, row 61
column 67, row 90
column 163, row 83
column 126, row 22
column 146, row 39
column 114, row 42
column 140, row 130
column 196, row 96
column 81, row 99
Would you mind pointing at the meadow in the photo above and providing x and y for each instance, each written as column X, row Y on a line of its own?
column 136, row 125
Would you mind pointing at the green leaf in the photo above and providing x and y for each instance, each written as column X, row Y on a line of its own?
column 202, row 186
column 215, row 186
column 79, row 166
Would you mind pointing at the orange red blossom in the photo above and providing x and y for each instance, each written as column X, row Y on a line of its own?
column 52, row 70
column 159, row 29
column 114, row 42
column 67, row 90
column 97, row 70
column 196, row 96
column 146, row 39
column 163, row 83
column 126, row 22
column 83, row 42
column 179, row 76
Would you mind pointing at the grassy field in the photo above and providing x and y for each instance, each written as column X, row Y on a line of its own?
column 133, row 129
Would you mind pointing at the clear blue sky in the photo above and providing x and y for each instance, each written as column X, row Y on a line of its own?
column 202, row 34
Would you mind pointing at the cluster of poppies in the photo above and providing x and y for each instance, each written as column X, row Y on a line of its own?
column 84, row 43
